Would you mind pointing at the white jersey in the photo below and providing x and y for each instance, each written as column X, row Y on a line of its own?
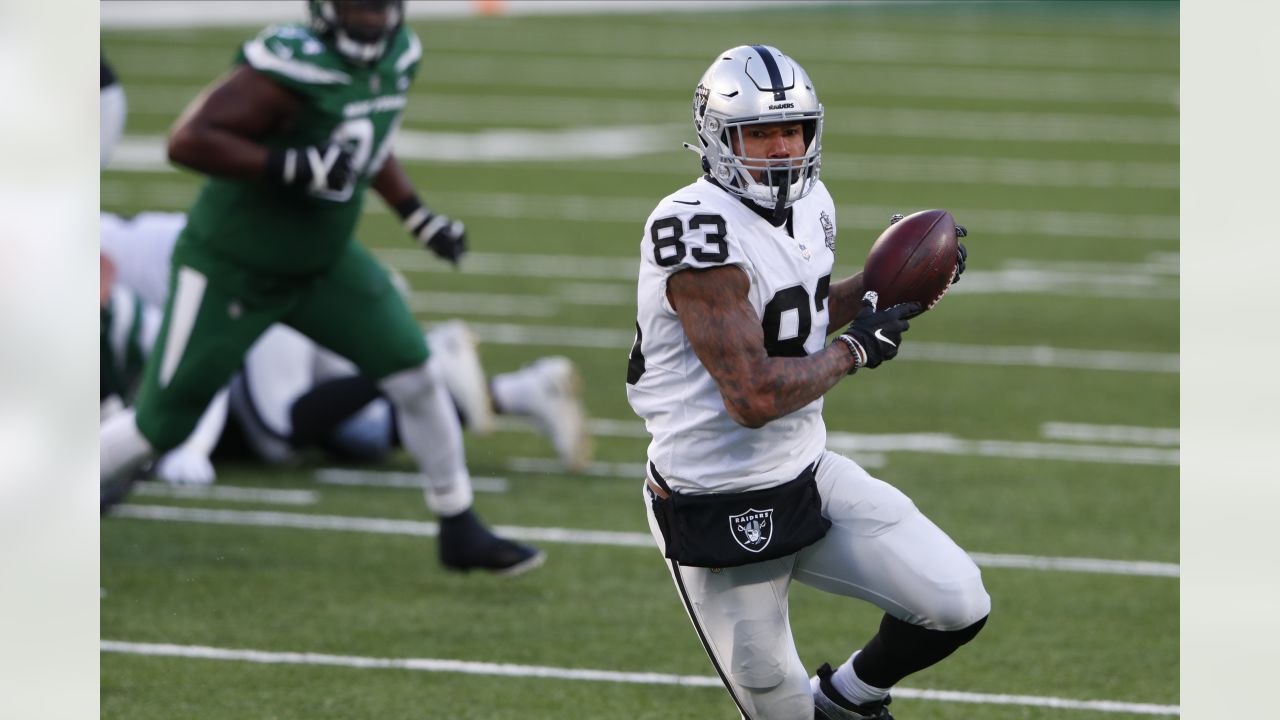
column 141, row 248
column 696, row 446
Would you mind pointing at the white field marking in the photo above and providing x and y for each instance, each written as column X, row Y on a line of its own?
column 1010, row 281
column 1021, row 356
column 844, row 121
column 1085, row 565
column 1158, row 268
column 141, row 14
column 1004, row 126
column 468, row 303
column 947, row 444
column 471, row 667
column 572, row 143
column 1042, row 356
column 1154, row 279
column 660, row 133
column 633, row 210
column 149, row 154
column 482, row 69
column 1006, row 281
column 997, row 171
column 896, row 48
column 578, row 293
column 570, row 536
column 621, row 471
column 392, row 479
column 633, row 471
column 230, row 493
column 518, row 265
column 870, row 47
column 873, row 446
column 1110, row 433
column 949, row 169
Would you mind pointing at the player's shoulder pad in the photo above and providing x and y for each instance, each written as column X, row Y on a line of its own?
column 820, row 199
column 692, row 228
column 292, row 55
column 405, row 52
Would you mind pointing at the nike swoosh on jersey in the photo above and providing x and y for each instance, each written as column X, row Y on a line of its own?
column 688, row 202
column 879, row 333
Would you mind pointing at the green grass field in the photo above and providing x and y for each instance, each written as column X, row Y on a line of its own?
column 1024, row 415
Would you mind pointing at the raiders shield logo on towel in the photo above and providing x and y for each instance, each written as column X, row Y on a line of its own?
column 752, row 529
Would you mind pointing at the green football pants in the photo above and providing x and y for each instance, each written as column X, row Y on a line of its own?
column 216, row 310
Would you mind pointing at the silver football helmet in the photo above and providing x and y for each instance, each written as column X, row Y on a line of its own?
column 750, row 85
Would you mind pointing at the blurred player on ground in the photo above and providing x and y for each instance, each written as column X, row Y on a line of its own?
column 291, row 394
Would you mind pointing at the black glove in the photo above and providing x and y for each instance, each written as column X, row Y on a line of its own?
column 874, row 335
column 437, row 233
column 961, row 253
column 318, row 169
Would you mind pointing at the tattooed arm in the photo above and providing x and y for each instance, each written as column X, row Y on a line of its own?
column 727, row 337
column 844, row 301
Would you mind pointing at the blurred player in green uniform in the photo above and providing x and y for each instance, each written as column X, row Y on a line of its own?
column 290, row 139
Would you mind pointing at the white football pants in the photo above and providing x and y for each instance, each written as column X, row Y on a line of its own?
column 880, row 548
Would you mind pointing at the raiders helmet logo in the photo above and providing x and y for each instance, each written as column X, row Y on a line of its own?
column 700, row 100
column 828, row 230
column 752, row 529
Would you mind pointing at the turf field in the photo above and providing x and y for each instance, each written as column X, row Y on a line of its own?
column 1033, row 414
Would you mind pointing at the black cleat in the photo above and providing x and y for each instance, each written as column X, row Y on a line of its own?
column 828, row 704
column 466, row 544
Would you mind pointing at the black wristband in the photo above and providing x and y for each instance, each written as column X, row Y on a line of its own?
column 405, row 208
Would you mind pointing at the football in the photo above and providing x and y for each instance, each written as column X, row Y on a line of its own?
column 913, row 260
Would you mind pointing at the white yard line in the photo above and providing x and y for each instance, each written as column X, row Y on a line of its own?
column 633, row 210
column 1110, row 433
column 229, row 493
column 570, row 536
column 468, row 667
column 484, row 69
column 393, row 479
column 1040, row 356
column 874, row 446
column 625, row 471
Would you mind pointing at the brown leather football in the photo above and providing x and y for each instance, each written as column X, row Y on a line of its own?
column 914, row 259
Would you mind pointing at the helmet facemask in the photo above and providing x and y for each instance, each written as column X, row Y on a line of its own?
column 363, row 43
column 782, row 181
column 755, row 85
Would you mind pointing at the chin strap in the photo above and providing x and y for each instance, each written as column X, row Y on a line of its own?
column 706, row 166
column 780, row 209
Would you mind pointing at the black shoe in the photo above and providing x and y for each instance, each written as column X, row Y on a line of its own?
column 466, row 544
column 829, row 704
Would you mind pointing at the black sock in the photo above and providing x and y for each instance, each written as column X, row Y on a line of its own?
column 900, row 648
column 327, row 405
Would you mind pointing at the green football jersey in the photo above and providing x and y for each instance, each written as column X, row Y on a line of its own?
column 286, row 231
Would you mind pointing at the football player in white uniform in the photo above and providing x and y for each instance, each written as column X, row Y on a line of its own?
column 735, row 300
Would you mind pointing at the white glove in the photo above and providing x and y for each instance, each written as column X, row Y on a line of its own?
column 184, row 466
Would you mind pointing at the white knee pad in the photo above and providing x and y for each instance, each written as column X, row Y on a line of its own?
column 958, row 605
column 410, row 387
column 760, row 653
